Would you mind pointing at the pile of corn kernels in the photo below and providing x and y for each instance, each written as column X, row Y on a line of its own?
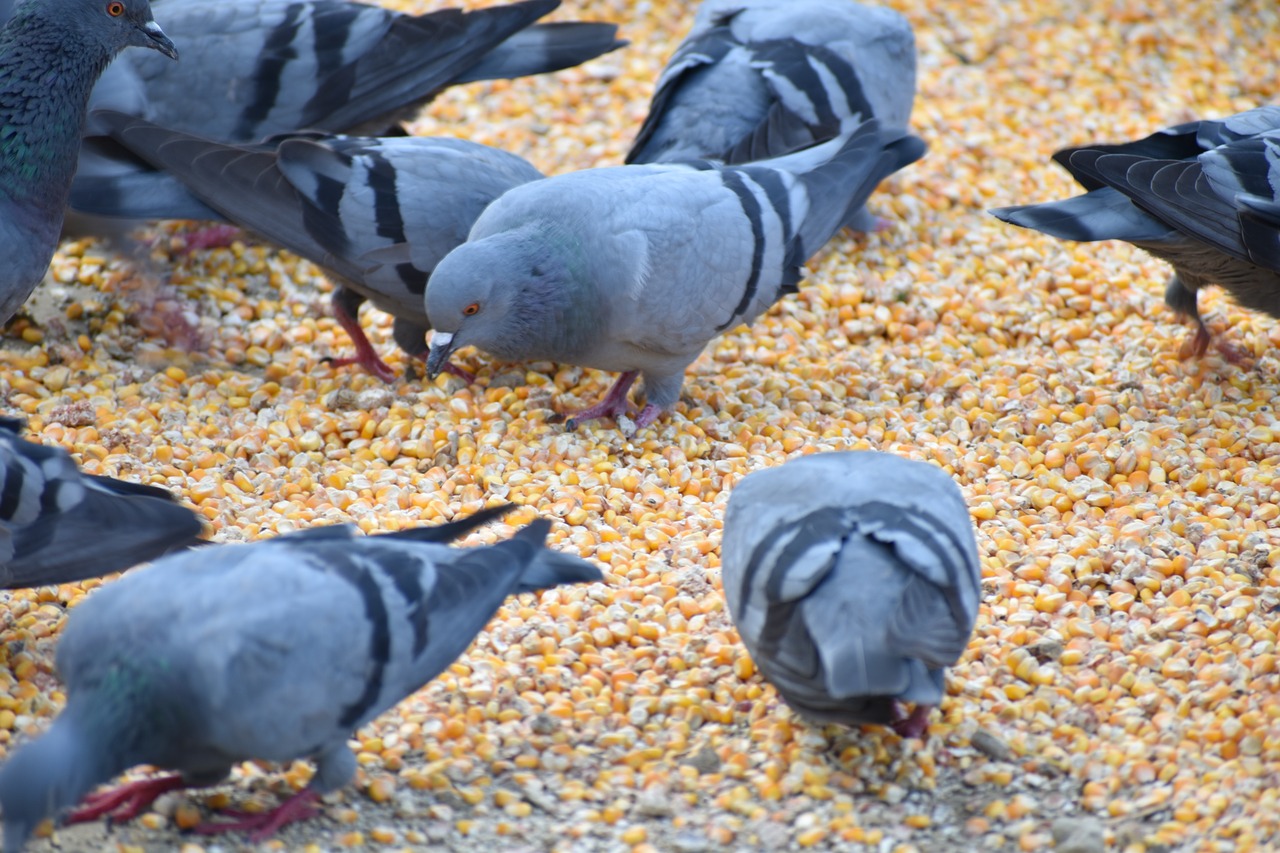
column 1122, row 686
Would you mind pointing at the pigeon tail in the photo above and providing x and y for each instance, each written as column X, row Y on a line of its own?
column 544, row 48
column 550, row 568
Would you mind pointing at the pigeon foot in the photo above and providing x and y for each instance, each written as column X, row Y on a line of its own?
column 301, row 806
column 212, row 237
column 613, row 405
column 1198, row 344
column 125, row 802
column 915, row 724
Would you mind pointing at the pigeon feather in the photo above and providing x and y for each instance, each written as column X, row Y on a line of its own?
column 636, row 268
column 854, row 581
column 51, row 54
column 58, row 525
column 276, row 651
column 376, row 214
column 756, row 79
column 1204, row 196
column 269, row 67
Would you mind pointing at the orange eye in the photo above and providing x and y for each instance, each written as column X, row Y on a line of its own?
column 115, row 9
column 473, row 308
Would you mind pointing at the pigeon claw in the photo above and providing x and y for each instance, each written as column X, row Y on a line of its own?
column 369, row 362
column 125, row 802
column 301, row 806
column 915, row 724
column 613, row 405
column 1198, row 344
column 211, row 237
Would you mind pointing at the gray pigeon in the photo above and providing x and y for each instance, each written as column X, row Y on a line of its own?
column 1204, row 196
column 58, row 525
column 759, row 78
column 275, row 651
column 51, row 53
column 854, row 581
column 268, row 67
column 637, row 268
column 377, row 214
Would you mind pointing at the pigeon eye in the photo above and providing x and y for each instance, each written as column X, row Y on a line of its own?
column 473, row 308
column 115, row 9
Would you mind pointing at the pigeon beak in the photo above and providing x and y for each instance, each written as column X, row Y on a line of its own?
column 158, row 40
column 441, row 348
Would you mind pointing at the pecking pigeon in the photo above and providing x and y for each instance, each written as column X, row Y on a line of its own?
column 276, row 651
column 854, row 581
column 1204, row 196
column 759, row 78
column 58, row 525
column 267, row 67
column 51, row 53
column 637, row 268
column 377, row 214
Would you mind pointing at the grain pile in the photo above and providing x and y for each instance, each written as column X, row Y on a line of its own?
column 1122, row 684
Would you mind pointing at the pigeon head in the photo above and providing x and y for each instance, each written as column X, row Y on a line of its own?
column 516, row 294
column 111, row 25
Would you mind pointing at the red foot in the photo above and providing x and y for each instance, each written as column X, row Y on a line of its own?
column 127, row 801
column 882, row 224
column 346, row 305
column 915, row 724
column 613, row 405
column 1195, row 346
column 212, row 237
column 262, row 826
column 647, row 415
column 370, row 362
column 1198, row 344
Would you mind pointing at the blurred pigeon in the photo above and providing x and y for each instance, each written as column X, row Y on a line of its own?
column 854, row 581
column 267, row 67
column 759, row 78
column 377, row 214
column 51, row 53
column 275, row 651
column 637, row 268
column 58, row 525
column 1203, row 196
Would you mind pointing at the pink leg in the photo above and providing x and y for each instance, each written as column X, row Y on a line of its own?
column 1195, row 346
column 218, row 236
column 345, row 306
column 612, row 405
column 915, row 724
column 127, row 801
column 262, row 826
column 647, row 415
column 882, row 224
column 1198, row 344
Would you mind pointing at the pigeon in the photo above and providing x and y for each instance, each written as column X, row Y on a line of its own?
column 854, row 581
column 268, row 67
column 1202, row 196
column 376, row 214
column 51, row 53
column 58, row 525
column 636, row 268
column 277, row 650
column 760, row 78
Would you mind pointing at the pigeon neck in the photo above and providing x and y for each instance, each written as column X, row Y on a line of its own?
column 46, row 76
column 562, row 311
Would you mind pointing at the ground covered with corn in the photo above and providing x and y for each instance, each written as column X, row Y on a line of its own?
column 1121, row 687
